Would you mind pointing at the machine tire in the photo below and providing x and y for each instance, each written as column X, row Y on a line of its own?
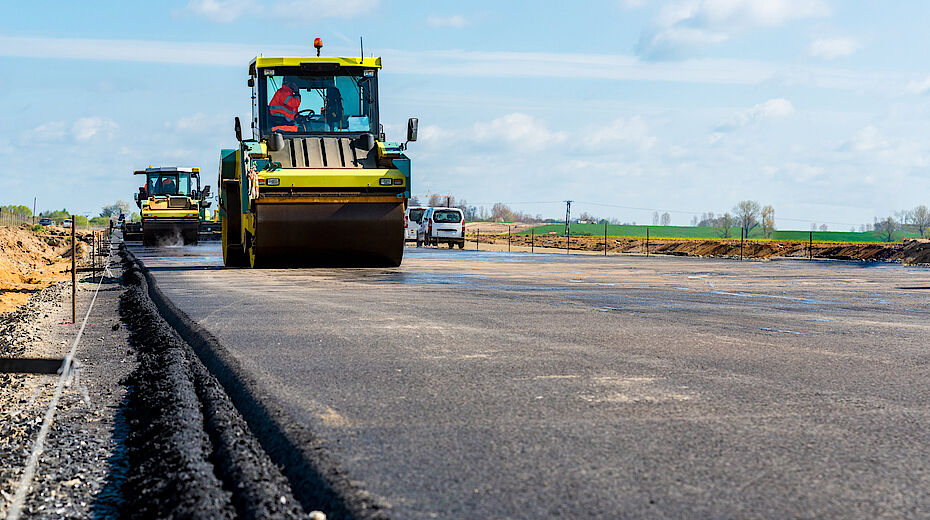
column 462, row 244
column 451, row 244
column 233, row 255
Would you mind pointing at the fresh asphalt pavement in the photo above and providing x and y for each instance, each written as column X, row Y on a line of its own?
column 469, row 384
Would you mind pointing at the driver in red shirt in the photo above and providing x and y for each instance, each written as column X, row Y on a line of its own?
column 284, row 106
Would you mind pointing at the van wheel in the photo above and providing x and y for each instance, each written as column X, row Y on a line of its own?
column 419, row 243
column 462, row 244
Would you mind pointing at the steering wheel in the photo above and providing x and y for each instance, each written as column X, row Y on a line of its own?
column 302, row 118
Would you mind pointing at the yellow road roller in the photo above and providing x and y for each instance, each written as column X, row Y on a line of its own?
column 316, row 185
column 170, row 203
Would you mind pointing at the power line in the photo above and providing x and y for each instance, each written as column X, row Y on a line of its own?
column 636, row 208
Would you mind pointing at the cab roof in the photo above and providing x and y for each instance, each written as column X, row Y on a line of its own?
column 263, row 62
column 166, row 169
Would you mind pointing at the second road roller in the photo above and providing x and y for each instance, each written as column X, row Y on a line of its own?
column 316, row 184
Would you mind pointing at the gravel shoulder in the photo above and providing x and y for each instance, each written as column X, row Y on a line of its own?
column 82, row 449
column 142, row 429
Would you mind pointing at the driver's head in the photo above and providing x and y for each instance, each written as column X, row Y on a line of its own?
column 291, row 83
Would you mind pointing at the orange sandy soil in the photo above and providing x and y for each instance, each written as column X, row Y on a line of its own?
column 910, row 252
column 30, row 261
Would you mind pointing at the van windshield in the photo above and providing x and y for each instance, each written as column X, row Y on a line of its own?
column 446, row 216
column 416, row 214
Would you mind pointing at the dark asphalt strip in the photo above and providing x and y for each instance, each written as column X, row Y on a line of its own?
column 315, row 478
column 190, row 453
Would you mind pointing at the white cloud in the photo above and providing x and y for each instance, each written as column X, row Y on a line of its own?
column 919, row 87
column 832, row 48
column 220, row 11
column 526, row 132
column 631, row 131
column 461, row 63
column 291, row 11
column 87, row 128
column 870, row 144
column 777, row 108
column 868, row 139
column 455, row 20
column 687, row 26
column 632, row 4
column 52, row 131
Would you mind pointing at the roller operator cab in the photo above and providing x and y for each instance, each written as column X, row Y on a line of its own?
column 316, row 184
column 171, row 203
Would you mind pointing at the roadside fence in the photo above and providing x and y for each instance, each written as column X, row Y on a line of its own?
column 14, row 218
column 738, row 247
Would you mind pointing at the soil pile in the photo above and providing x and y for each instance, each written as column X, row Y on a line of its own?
column 31, row 261
column 909, row 252
column 916, row 252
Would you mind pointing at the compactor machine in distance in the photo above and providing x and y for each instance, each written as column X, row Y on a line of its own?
column 171, row 204
column 316, row 184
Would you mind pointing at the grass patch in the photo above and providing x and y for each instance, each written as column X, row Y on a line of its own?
column 693, row 232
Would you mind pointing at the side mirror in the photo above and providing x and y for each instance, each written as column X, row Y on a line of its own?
column 365, row 142
column 205, row 192
column 238, row 130
column 412, row 129
column 275, row 142
column 251, row 82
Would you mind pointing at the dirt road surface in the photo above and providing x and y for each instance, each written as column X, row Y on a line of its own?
column 472, row 384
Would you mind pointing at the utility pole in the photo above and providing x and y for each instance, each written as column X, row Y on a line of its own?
column 568, row 215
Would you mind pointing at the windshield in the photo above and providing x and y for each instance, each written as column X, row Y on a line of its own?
column 304, row 103
column 174, row 183
column 416, row 215
column 446, row 216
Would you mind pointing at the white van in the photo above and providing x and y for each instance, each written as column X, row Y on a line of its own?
column 412, row 218
column 442, row 226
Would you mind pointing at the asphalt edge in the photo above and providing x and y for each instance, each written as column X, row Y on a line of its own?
column 316, row 480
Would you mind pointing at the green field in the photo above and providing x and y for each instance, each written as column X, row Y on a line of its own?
column 710, row 232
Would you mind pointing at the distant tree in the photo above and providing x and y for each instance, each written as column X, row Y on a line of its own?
column 501, row 213
column 113, row 210
column 655, row 218
column 813, row 226
column 887, row 228
column 920, row 217
column 587, row 217
column 708, row 220
column 436, row 200
column 20, row 211
column 694, row 221
column 134, row 217
column 724, row 223
column 666, row 219
column 768, row 221
column 414, row 201
column 469, row 212
column 747, row 215
column 824, row 227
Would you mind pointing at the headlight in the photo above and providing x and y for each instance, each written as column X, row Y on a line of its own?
column 272, row 181
column 385, row 181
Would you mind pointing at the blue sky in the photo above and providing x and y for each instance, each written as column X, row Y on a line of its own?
column 817, row 107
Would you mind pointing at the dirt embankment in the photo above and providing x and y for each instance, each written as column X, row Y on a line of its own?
column 31, row 261
column 910, row 252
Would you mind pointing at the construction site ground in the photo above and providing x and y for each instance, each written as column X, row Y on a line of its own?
column 504, row 385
